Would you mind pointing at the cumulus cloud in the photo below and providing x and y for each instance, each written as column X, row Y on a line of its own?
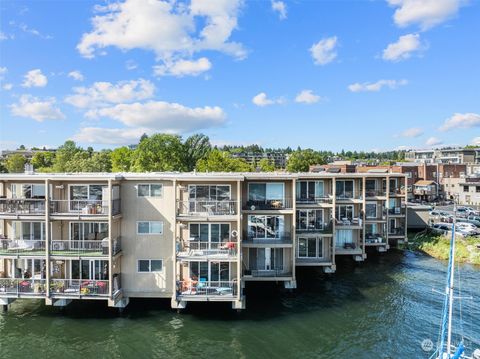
column 425, row 13
column 172, row 30
column 461, row 120
column 76, row 75
column 324, row 51
column 7, row 86
column 183, row 68
column 37, row 109
column 411, row 133
column 105, row 93
column 3, row 71
column 281, row 8
column 35, row 78
column 163, row 116
column 476, row 141
column 307, row 96
column 376, row 86
column 403, row 48
column 433, row 141
column 109, row 136
column 262, row 100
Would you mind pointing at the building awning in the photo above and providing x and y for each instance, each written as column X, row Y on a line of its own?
column 424, row 183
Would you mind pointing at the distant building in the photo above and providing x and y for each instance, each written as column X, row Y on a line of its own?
column 279, row 159
column 447, row 155
column 28, row 154
column 465, row 189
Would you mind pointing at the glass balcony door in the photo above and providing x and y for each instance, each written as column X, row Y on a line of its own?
column 265, row 226
column 89, row 269
column 310, row 190
column 210, row 271
column 345, row 189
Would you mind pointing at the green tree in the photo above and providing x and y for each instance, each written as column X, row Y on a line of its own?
column 3, row 169
column 15, row 163
column 221, row 161
column 266, row 165
column 159, row 152
column 100, row 162
column 196, row 147
column 43, row 161
column 64, row 155
column 300, row 161
column 122, row 159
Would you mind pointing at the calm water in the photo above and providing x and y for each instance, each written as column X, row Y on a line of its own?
column 383, row 308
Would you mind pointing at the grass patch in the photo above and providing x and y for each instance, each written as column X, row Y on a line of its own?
column 438, row 246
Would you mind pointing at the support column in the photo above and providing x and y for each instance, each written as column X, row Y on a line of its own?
column 294, row 231
column 406, row 214
column 174, row 303
column 364, row 216
column 388, row 209
column 48, row 234
column 240, row 298
column 334, row 210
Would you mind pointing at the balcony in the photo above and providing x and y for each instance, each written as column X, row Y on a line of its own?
column 268, row 204
column 372, row 193
column 206, row 208
column 315, row 200
column 348, row 222
column 196, row 250
column 18, row 287
column 325, row 229
column 396, row 232
column 206, row 290
column 348, row 196
column 16, row 247
column 79, row 287
column 397, row 211
column 353, row 247
column 396, row 192
column 79, row 207
column 278, row 239
column 375, row 239
column 22, row 206
column 276, row 272
column 88, row 248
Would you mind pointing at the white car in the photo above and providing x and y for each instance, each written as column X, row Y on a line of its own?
column 474, row 219
column 441, row 228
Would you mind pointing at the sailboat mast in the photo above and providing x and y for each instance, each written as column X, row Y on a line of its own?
column 450, row 293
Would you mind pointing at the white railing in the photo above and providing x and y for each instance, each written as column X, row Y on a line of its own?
column 195, row 248
column 70, row 247
column 15, row 286
column 192, row 288
column 31, row 206
column 22, row 246
column 79, row 287
column 207, row 208
column 85, row 207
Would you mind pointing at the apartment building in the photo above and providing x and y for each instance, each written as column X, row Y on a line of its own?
column 445, row 155
column 186, row 236
column 279, row 159
column 465, row 189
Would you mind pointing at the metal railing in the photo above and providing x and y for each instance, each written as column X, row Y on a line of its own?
column 79, row 287
column 345, row 222
column 273, row 272
column 197, row 248
column 355, row 245
column 191, row 288
column 29, row 206
column 117, row 245
column 315, row 200
column 397, row 191
column 396, row 231
column 76, row 207
column 398, row 211
column 22, row 246
column 78, row 247
column 375, row 193
column 268, row 204
column 273, row 238
column 348, row 195
column 13, row 286
column 375, row 238
column 325, row 229
column 207, row 208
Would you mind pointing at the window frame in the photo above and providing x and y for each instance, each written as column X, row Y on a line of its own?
column 150, row 190
column 149, row 229
column 149, row 266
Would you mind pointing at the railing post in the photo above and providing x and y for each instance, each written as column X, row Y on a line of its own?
column 47, row 238
column 110, row 235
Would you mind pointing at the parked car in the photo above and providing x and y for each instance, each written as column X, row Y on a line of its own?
column 474, row 219
column 441, row 228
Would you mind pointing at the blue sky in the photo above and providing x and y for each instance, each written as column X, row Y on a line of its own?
column 362, row 75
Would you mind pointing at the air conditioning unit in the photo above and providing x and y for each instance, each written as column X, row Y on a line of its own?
column 252, row 208
column 234, row 234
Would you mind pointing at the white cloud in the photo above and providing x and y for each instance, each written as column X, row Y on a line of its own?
column 307, row 96
column 37, row 109
column 376, row 86
column 171, row 30
column 163, row 116
column 182, row 68
column 130, row 65
column 34, row 32
column 425, row 13
column 7, row 86
column 4, row 36
column 323, row 51
column 461, row 120
column 262, row 100
column 109, row 136
column 403, row 48
column 105, row 93
column 35, row 78
column 433, row 141
column 411, row 133
column 280, row 8
column 3, row 71
column 76, row 75
column 475, row 141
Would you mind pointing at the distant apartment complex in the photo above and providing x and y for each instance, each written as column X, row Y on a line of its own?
column 279, row 159
column 465, row 189
column 186, row 236
column 450, row 155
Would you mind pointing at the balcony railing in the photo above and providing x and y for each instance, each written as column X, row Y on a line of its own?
column 79, row 287
column 396, row 211
column 196, row 248
column 268, row 204
column 207, row 208
column 375, row 238
column 10, row 286
column 325, row 229
column 217, row 289
column 77, row 207
column 396, row 191
column 347, row 246
column 348, row 196
column 79, row 247
column 375, row 193
column 22, row 206
column 346, row 222
column 272, row 272
column 22, row 246
column 396, row 231
column 315, row 200
column 272, row 238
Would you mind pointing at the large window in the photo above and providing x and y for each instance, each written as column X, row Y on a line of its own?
column 344, row 189
column 344, row 213
column 88, row 231
column 260, row 227
column 149, row 190
column 150, row 265
column 310, row 247
column 210, row 271
column 210, row 232
column 344, row 238
column 209, row 192
column 27, row 190
column 92, row 192
column 266, row 191
column 150, row 227
column 265, row 259
column 371, row 210
column 90, row 269
column 310, row 190
column 29, row 230
column 309, row 219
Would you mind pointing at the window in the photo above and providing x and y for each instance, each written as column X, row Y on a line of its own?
column 150, row 227
column 210, row 232
column 216, row 271
column 266, row 191
column 29, row 230
column 344, row 212
column 371, row 210
column 344, row 189
column 465, row 188
column 311, row 247
column 343, row 237
column 265, row 227
column 150, row 265
column 149, row 190
column 27, row 190
column 209, row 192
column 370, row 229
column 80, row 231
column 310, row 190
column 309, row 219
column 477, row 189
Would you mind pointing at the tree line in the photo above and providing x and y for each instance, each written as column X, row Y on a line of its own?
column 165, row 152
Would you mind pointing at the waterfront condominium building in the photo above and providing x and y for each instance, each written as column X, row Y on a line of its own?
column 186, row 236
